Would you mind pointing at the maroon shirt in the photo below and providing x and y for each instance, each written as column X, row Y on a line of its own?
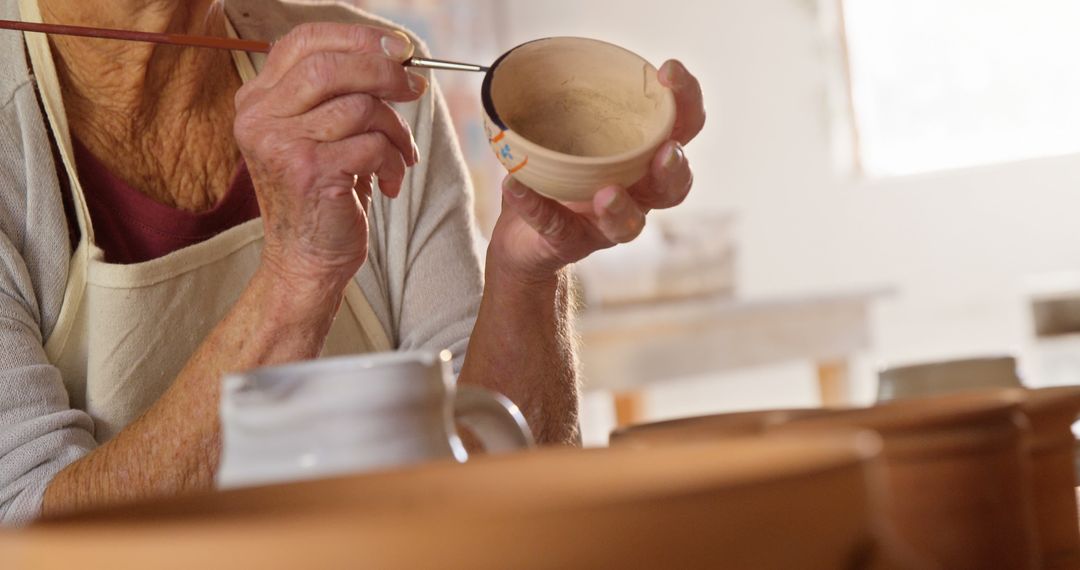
column 132, row 228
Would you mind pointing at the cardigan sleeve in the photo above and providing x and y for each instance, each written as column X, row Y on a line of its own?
column 441, row 277
column 40, row 434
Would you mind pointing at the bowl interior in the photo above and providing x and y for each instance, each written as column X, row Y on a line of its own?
column 581, row 97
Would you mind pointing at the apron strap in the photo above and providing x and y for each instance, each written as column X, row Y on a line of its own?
column 44, row 69
column 244, row 65
column 48, row 84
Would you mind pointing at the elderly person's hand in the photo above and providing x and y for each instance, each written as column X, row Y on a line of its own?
column 315, row 129
column 536, row 237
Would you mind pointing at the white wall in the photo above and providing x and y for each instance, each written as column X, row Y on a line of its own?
column 956, row 245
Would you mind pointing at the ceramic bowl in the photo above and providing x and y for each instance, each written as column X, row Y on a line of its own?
column 569, row 116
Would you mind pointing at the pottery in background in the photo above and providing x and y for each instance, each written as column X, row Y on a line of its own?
column 919, row 435
column 958, row 481
column 950, row 376
column 707, row 428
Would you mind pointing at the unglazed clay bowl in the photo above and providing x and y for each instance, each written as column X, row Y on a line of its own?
column 570, row 116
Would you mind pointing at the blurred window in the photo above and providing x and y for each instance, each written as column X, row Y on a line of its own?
column 944, row 84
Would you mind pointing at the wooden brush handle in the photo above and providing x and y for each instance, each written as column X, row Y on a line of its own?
column 133, row 36
column 210, row 42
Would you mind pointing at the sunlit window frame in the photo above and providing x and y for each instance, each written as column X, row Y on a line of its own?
column 845, row 138
column 858, row 166
column 848, row 147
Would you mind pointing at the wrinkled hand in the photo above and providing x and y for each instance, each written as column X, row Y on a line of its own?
column 316, row 130
column 536, row 237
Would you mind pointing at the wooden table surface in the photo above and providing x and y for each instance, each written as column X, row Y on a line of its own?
column 628, row 348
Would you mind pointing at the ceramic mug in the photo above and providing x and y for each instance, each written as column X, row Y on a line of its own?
column 356, row 414
column 569, row 116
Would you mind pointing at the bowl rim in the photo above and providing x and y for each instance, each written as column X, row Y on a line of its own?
column 533, row 148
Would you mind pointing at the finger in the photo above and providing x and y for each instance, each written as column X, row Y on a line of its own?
column 362, row 156
column 350, row 115
column 689, row 101
column 391, row 175
column 567, row 232
column 364, row 188
column 618, row 217
column 325, row 75
column 669, row 180
column 308, row 39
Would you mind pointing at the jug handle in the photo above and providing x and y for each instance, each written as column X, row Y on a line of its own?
column 494, row 419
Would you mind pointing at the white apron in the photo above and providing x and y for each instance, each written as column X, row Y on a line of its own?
column 126, row 331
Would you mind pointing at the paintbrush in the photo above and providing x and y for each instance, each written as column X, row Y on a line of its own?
column 209, row 42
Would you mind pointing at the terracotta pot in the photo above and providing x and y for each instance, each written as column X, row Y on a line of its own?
column 569, row 116
column 1051, row 413
column 958, row 488
column 764, row 504
column 725, row 427
column 707, row 428
column 1050, row 447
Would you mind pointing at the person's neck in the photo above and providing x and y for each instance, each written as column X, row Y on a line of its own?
column 136, row 78
column 150, row 110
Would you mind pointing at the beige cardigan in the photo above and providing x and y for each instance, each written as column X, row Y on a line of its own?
column 423, row 276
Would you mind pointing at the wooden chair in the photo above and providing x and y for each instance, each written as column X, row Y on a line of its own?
column 778, row 504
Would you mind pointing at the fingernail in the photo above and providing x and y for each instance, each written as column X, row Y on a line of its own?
column 397, row 45
column 672, row 73
column 615, row 203
column 416, row 153
column 417, row 82
column 674, row 156
column 515, row 188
